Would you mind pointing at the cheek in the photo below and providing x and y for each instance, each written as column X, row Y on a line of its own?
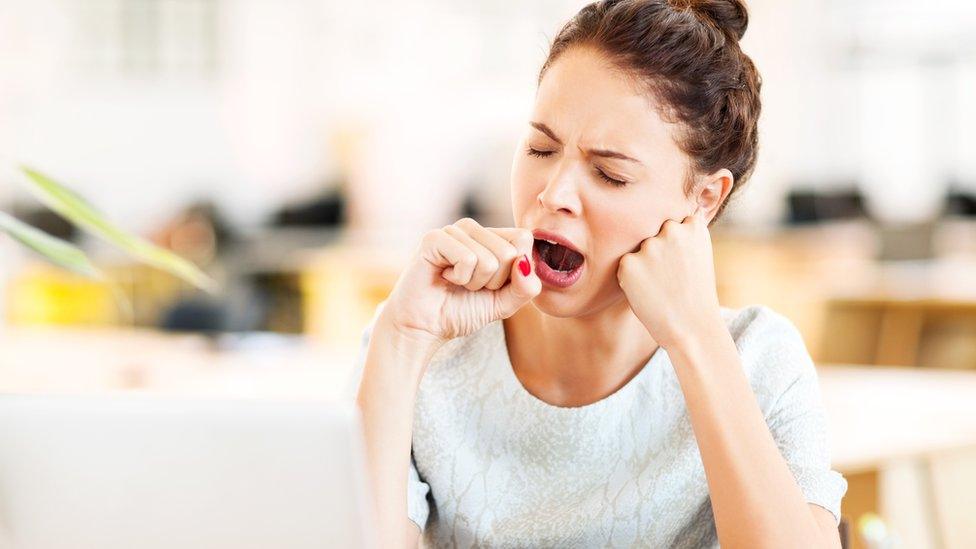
column 524, row 185
column 623, row 227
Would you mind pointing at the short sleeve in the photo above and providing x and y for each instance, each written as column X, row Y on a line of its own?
column 794, row 409
column 418, row 509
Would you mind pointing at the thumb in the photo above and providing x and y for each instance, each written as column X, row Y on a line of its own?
column 521, row 288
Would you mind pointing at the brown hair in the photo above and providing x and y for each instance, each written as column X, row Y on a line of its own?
column 687, row 53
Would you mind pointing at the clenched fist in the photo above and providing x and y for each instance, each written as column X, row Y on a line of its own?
column 461, row 278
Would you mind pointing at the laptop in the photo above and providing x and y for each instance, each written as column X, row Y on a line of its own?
column 148, row 472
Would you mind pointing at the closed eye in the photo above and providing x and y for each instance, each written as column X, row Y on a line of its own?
column 608, row 179
column 538, row 153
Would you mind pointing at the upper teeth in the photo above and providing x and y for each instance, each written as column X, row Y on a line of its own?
column 551, row 242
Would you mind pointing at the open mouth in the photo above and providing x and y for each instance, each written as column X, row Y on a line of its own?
column 557, row 257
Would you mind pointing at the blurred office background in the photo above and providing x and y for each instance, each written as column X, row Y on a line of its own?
column 297, row 149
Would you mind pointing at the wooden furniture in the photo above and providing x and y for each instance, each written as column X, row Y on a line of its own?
column 794, row 271
column 906, row 314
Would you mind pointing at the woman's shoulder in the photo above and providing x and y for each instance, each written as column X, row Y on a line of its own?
column 771, row 348
column 759, row 324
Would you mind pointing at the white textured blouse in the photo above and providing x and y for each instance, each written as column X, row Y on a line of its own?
column 494, row 466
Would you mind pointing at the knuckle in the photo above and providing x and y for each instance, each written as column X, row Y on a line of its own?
column 489, row 265
column 509, row 253
column 430, row 236
column 466, row 222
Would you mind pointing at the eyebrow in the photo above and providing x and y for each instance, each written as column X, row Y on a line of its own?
column 596, row 152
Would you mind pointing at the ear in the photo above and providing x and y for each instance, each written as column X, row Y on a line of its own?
column 712, row 192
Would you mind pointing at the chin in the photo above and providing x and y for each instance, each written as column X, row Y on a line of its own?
column 558, row 304
column 561, row 304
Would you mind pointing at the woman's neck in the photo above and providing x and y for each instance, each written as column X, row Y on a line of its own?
column 579, row 360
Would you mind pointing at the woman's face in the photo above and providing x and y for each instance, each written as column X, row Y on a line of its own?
column 599, row 167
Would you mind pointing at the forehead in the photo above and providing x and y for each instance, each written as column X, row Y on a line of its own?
column 584, row 97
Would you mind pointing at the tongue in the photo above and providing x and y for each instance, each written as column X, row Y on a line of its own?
column 562, row 258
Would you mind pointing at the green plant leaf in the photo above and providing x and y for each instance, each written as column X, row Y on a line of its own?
column 53, row 249
column 72, row 207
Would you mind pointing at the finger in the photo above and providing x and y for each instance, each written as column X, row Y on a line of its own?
column 487, row 263
column 504, row 251
column 522, row 239
column 665, row 227
column 640, row 246
column 443, row 250
column 519, row 291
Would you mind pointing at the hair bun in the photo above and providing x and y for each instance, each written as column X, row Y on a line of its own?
column 730, row 16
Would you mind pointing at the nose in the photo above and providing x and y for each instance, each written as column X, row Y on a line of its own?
column 561, row 194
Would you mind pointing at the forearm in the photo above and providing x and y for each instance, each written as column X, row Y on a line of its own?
column 755, row 499
column 391, row 374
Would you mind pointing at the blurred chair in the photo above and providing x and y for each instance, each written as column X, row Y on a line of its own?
column 325, row 209
column 195, row 315
column 809, row 206
column 960, row 203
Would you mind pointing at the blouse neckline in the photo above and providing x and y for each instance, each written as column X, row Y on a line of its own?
column 609, row 401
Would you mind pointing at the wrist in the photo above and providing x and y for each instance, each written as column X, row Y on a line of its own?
column 413, row 348
column 703, row 331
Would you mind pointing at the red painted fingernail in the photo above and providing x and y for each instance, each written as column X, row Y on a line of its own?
column 524, row 266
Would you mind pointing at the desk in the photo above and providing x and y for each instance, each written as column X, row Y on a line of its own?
column 111, row 360
column 875, row 414
column 905, row 439
column 878, row 414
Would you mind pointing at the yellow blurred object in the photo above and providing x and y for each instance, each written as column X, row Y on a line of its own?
column 342, row 287
column 132, row 294
column 873, row 530
column 42, row 294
